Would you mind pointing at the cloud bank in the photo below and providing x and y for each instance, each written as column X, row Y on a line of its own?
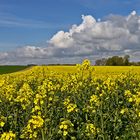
column 93, row 39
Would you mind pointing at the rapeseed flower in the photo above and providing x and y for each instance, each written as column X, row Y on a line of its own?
column 8, row 136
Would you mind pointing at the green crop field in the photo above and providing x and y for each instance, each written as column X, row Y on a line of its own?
column 10, row 69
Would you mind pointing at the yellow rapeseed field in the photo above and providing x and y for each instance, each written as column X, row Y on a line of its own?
column 79, row 102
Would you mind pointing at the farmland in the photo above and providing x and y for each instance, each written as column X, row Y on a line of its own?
column 80, row 102
column 10, row 69
column 109, row 70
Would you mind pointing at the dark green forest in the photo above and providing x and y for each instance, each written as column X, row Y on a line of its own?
column 116, row 61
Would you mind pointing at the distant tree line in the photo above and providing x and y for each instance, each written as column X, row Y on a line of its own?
column 60, row 64
column 116, row 61
column 51, row 64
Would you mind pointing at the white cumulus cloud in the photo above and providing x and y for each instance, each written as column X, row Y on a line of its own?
column 112, row 35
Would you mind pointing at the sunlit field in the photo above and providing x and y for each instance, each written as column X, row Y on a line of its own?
column 97, row 69
column 79, row 102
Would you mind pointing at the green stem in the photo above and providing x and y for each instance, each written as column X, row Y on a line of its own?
column 42, row 134
column 102, row 121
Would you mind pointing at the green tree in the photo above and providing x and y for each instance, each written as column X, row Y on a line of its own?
column 126, row 60
column 115, row 61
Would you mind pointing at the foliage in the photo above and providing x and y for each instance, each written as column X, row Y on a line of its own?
column 40, row 104
column 114, row 61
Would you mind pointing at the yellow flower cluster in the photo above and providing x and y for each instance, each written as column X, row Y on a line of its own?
column 70, row 106
column 2, row 121
column 31, row 130
column 86, row 64
column 124, row 110
column 90, row 129
column 99, row 103
column 65, row 127
column 24, row 95
column 95, row 100
column 8, row 136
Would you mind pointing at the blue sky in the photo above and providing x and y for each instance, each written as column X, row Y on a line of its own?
column 67, row 31
column 29, row 22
